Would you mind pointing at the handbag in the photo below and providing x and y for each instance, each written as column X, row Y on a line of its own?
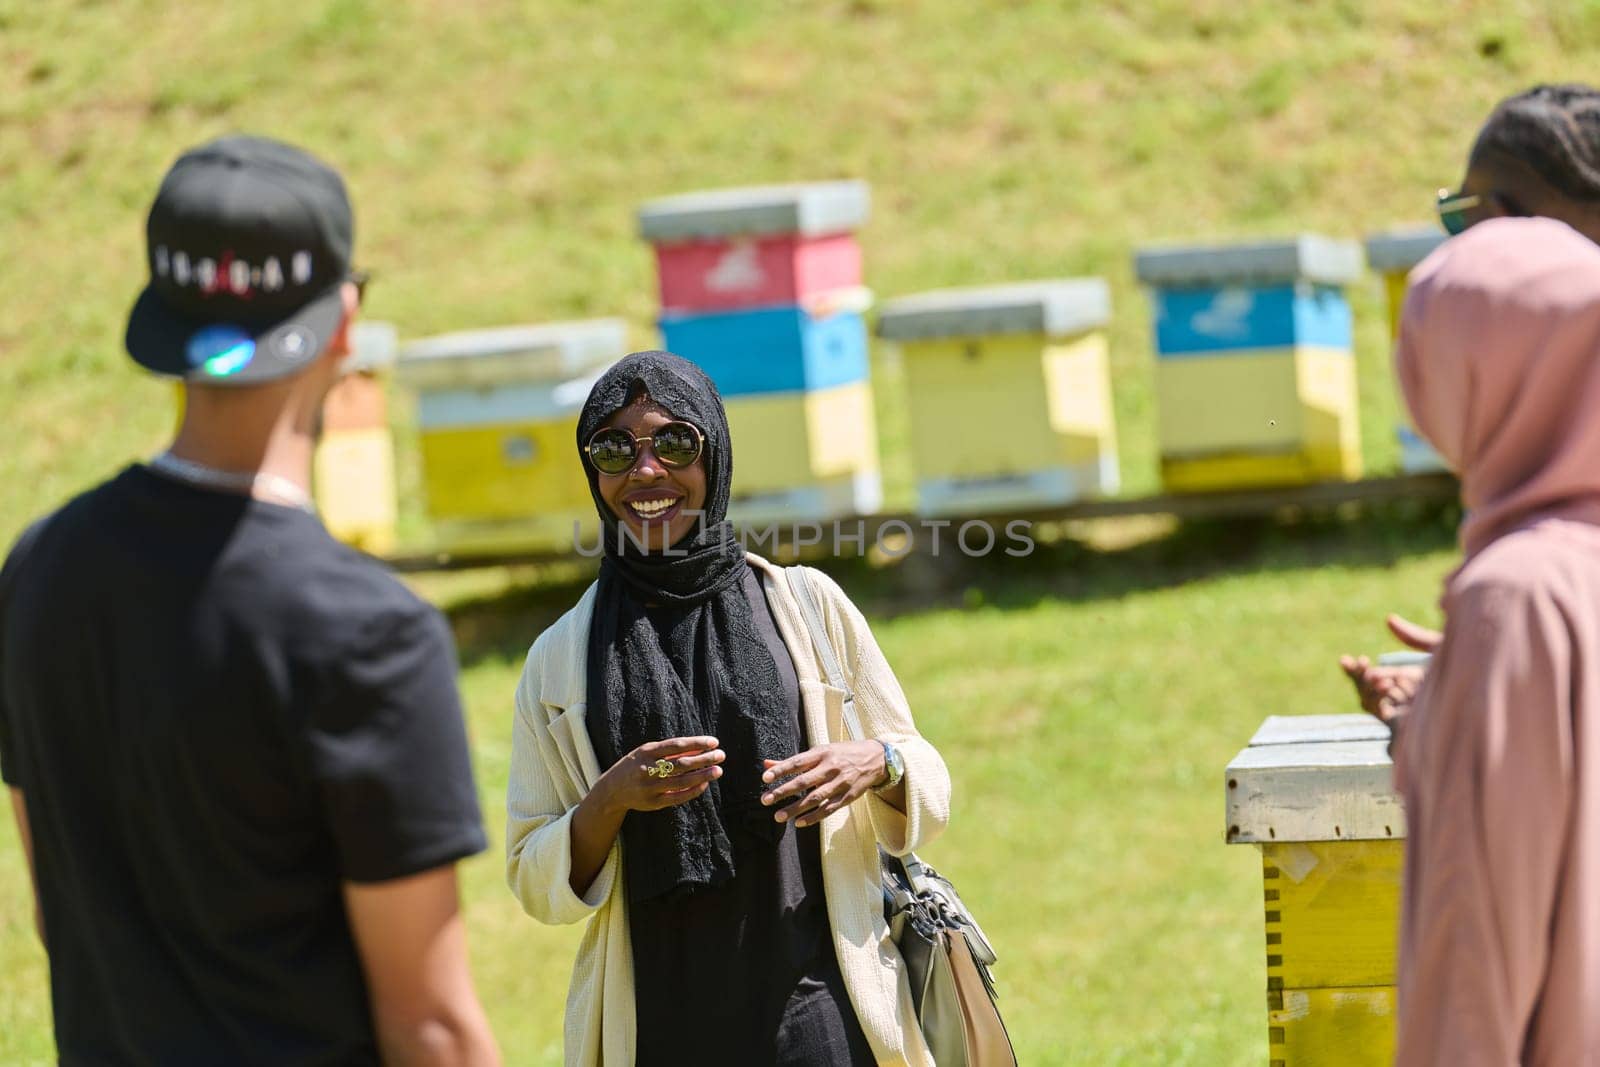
column 948, row 958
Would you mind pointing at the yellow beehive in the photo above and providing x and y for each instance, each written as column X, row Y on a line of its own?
column 1010, row 394
column 1255, row 377
column 1393, row 255
column 804, row 455
column 497, row 414
column 1313, row 794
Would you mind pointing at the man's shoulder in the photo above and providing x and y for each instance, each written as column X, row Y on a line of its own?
column 358, row 598
column 21, row 549
column 77, row 513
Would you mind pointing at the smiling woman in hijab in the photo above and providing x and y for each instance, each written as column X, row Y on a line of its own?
column 678, row 777
column 1498, row 757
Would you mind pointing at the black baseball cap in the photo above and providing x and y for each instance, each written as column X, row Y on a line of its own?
column 249, row 244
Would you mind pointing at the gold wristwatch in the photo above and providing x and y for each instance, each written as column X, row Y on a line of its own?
column 894, row 765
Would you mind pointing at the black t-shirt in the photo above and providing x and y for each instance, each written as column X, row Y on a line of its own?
column 217, row 715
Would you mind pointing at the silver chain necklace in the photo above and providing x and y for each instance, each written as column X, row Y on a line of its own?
column 272, row 487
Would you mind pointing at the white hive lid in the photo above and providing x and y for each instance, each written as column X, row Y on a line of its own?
column 805, row 208
column 1397, row 250
column 1308, row 257
column 1056, row 308
column 1314, row 778
column 509, row 354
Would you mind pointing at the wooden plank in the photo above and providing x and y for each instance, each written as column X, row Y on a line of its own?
column 1331, row 1027
column 1332, row 912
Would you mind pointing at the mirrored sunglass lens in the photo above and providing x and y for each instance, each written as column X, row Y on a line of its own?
column 676, row 444
column 611, row 451
column 1453, row 220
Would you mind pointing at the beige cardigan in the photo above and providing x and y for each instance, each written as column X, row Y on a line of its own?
column 553, row 765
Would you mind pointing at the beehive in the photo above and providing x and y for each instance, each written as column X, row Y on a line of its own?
column 1009, row 392
column 1255, row 377
column 1393, row 255
column 497, row 415
column 1313, row 794
column 760, row 287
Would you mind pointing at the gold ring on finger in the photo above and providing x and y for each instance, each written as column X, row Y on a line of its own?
column 661, row 768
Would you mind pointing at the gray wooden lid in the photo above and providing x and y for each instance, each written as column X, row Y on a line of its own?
column 1057, row 308
column 512, row 353
column 1314, row 778
column 1308, row 257
column 1306, row 729
column 805, row 208
column 1403, row 249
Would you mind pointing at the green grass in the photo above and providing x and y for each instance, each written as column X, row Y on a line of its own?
column 496, row 152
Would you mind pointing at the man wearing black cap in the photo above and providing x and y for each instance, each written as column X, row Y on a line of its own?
column 235, row 747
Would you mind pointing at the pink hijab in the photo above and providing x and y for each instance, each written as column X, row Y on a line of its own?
column 1499, row 361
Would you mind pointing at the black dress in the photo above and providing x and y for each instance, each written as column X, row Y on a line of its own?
column 746, row 973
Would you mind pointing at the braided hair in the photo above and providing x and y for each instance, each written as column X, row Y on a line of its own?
column 1555, row 129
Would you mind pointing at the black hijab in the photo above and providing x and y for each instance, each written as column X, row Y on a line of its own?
column 674, row 651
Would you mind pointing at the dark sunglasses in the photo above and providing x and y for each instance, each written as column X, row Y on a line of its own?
column 1455, row 207
column 677, row 444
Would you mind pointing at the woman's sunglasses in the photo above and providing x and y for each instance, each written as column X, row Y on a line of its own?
column 677, row 444
column 1455, row 209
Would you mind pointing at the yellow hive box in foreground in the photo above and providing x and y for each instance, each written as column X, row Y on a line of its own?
column 1010, row 394
column 497, row 412
column 1313, row 794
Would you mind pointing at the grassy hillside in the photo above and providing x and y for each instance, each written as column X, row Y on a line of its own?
column 496, row 151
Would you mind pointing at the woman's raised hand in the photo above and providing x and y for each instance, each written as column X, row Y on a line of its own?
column 823, row 779
column 661, row 774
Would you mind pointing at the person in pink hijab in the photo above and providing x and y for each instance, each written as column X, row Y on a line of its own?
column 1538, row 153
column 1498, row 755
